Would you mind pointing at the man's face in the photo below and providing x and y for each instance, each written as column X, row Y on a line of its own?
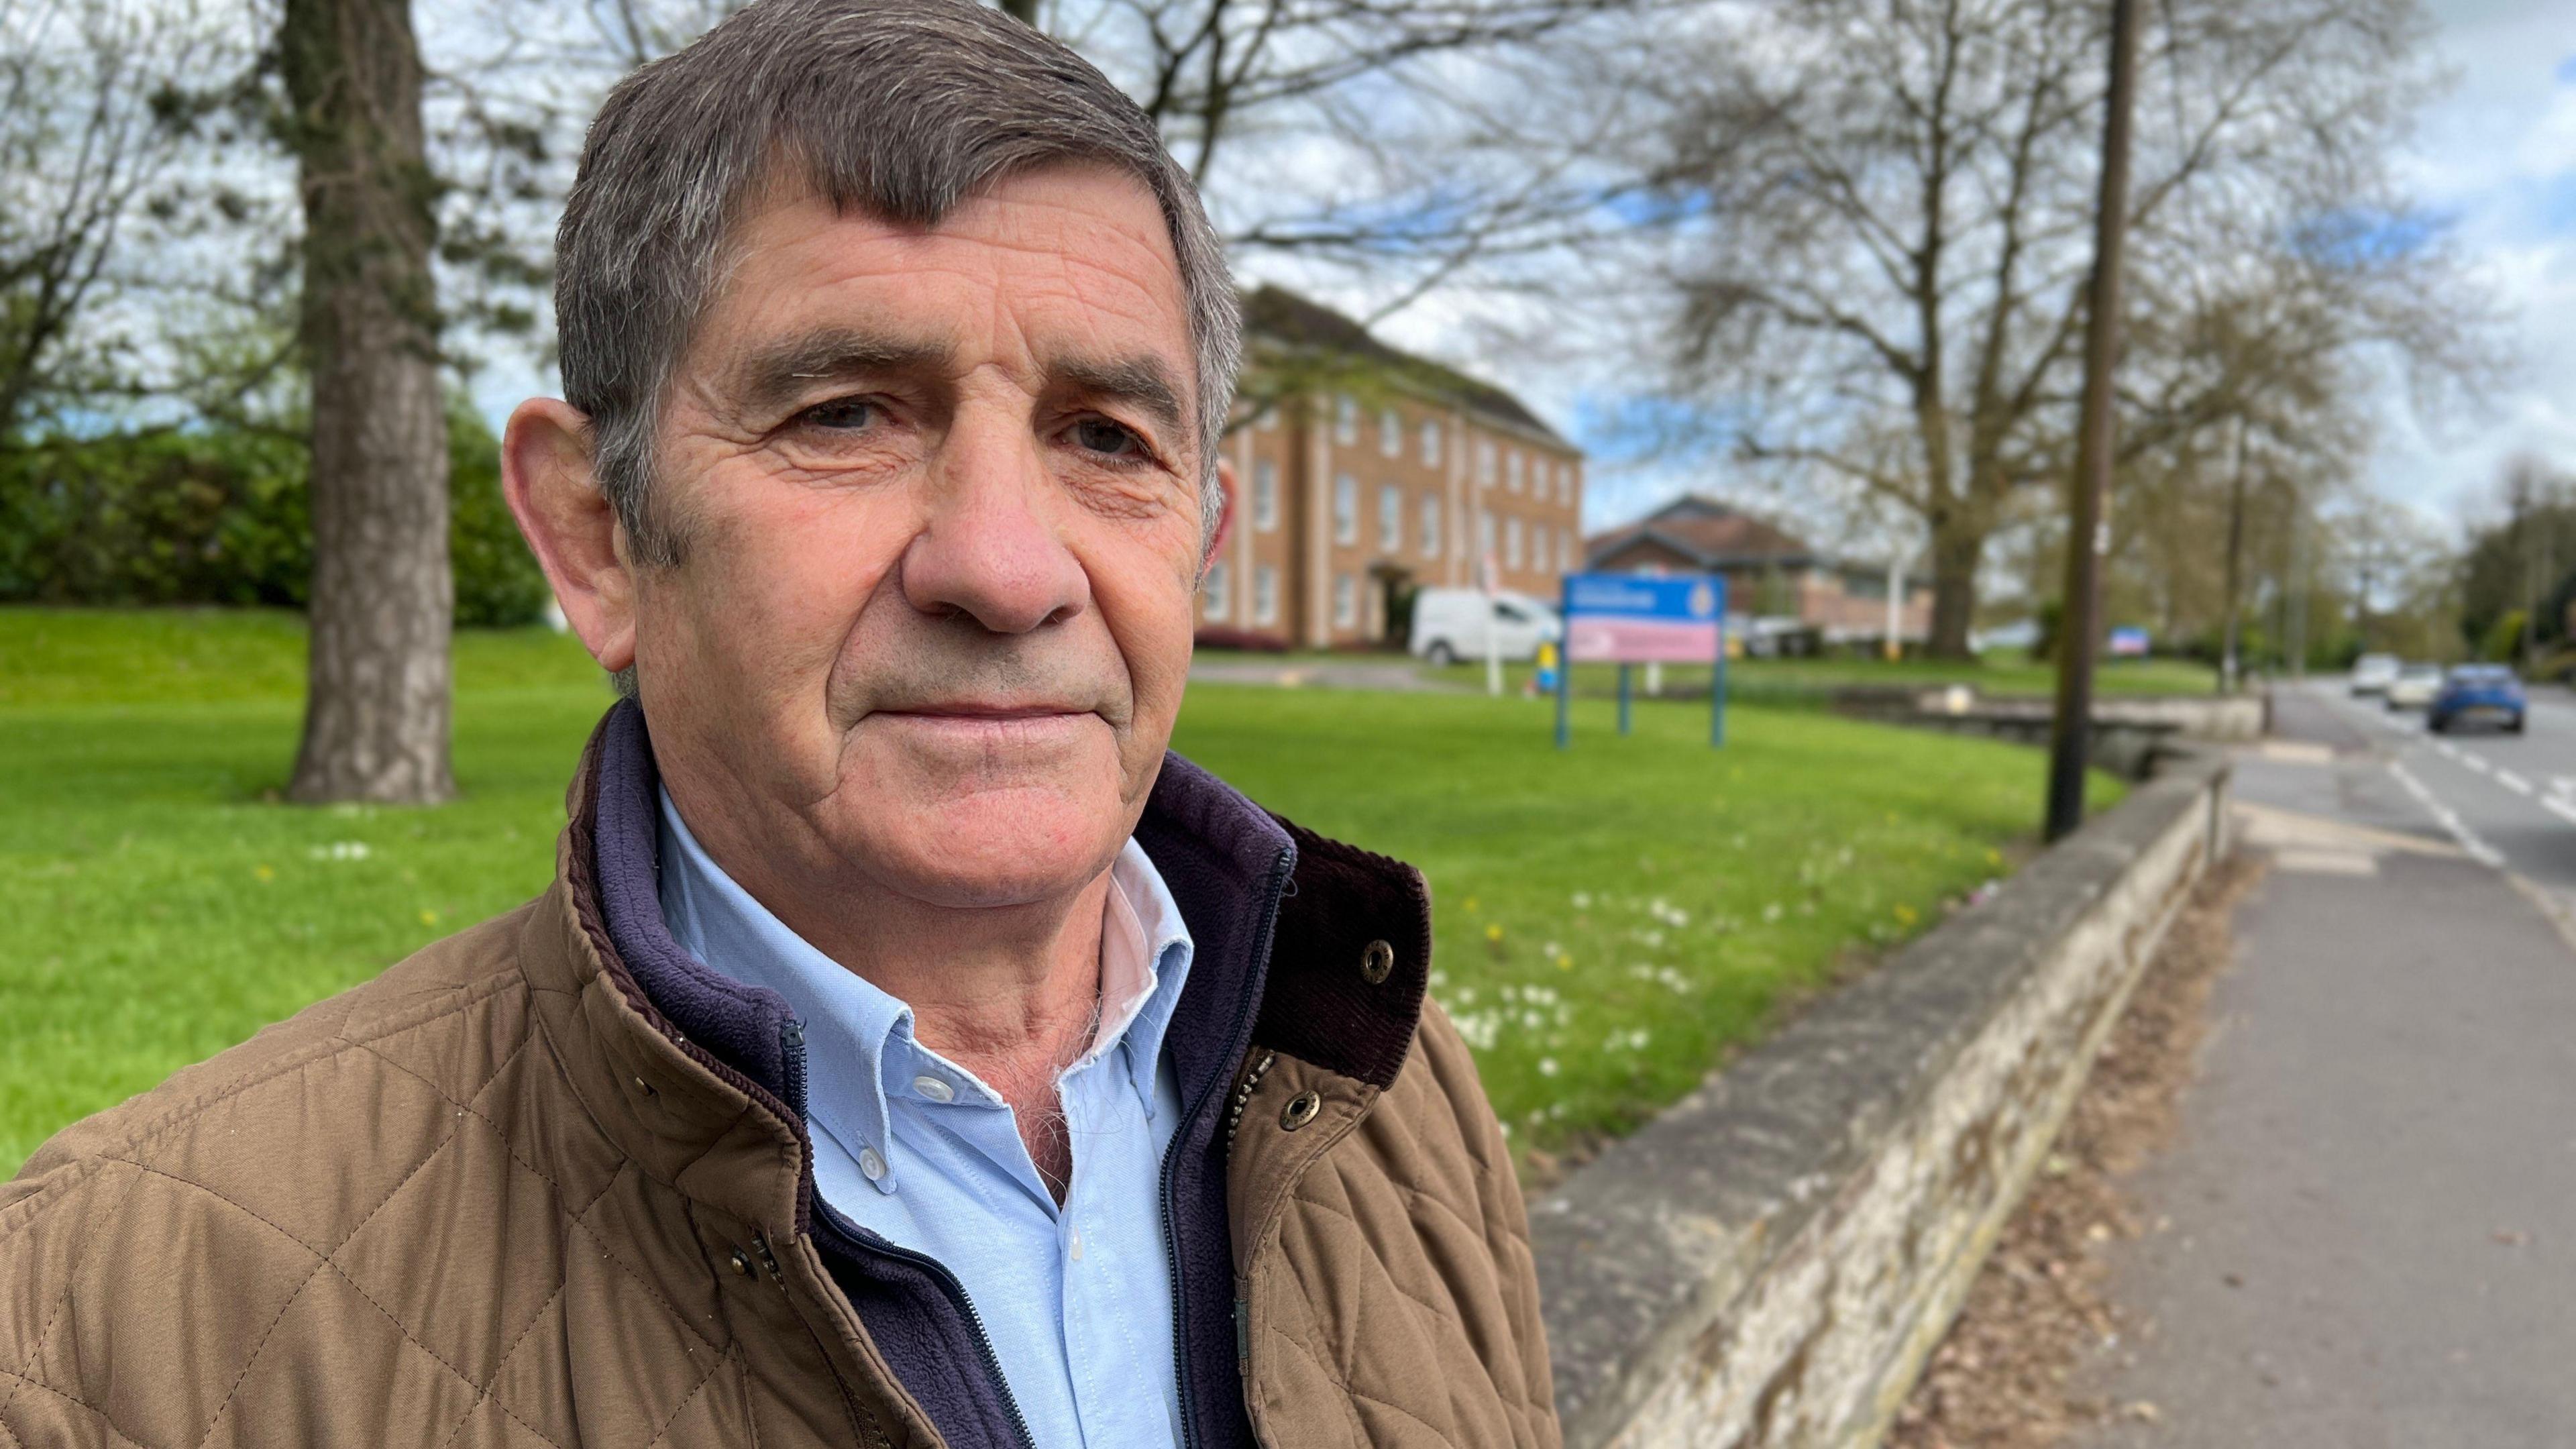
column 939, row 498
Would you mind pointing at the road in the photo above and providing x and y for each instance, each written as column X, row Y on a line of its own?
column 2365, row 1234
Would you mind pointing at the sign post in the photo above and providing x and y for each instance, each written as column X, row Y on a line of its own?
column 1627, row 619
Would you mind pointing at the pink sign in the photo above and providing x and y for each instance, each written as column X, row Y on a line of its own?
column 1639, row 641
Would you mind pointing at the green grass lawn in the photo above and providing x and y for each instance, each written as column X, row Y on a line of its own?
column 1609, row 920
column 1812, row 681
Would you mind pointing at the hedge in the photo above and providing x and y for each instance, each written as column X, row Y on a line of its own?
column 208, row 516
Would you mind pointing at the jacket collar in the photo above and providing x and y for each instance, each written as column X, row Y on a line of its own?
column 1284, row 919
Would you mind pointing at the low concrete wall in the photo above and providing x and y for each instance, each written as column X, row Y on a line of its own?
column 1770, row 1261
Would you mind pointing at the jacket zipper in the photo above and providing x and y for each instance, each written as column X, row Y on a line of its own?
column 1243, row 1098
column 791, row 1040
column 1276, row 887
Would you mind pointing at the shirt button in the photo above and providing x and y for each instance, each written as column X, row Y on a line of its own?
column 871, row 1166
column 933, row 1088
column 1073, row 1245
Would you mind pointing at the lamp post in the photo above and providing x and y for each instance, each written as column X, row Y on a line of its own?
column 2069, row 733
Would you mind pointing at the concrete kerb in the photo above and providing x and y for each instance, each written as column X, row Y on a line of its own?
column 1770, row 1261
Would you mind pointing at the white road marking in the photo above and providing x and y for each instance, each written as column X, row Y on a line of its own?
column 2478, row 850
column 2449, row 751
column 2513, row 782
column 2559, row 808
column 2475, row 762
column 2563, row 784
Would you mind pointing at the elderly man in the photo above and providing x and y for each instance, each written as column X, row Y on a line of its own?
column 909, row 1051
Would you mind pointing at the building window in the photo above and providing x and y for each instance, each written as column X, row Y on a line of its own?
column 1390, row 433
column 1265, row 496
column 1541, row 546
column 1346, row 509
column 1346, row 420
column 1390, row 517
column 1565, row 484
column 1484, row 535
column 1346, row 601
column 1512, row 471
column 1565, row 552
column 1485, row 462
column 1511, row 543
column 1217, row 579
column 1430, row 442
column 1265, row 594
column 1431, row 525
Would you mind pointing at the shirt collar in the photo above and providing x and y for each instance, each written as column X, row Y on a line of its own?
column 860, row 1048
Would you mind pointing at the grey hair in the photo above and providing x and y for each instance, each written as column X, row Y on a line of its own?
column 892, row 109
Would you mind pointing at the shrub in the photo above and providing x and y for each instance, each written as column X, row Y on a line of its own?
column 223, row 516
column 2504, row 637
column 1218, row 636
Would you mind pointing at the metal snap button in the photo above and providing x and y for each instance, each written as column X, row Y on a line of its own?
column 1376, row 961
column 1301, row 1109
column 741, row 1262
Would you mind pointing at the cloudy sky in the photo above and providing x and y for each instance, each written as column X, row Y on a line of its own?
column 2494, row 159
column 2497, row 158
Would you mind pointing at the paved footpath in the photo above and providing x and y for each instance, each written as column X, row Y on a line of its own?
column 2368, row 1221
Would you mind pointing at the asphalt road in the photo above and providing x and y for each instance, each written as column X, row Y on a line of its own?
column 2366, row 1231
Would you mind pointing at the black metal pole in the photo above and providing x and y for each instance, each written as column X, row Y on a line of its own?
column 2068, row 742
column 2230, row 666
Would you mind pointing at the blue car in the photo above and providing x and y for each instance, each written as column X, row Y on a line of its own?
column 2477, row 694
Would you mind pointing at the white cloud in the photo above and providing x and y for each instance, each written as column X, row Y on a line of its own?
column 2498, row 155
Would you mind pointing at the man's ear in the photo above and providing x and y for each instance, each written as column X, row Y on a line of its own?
column 1225, row 506
column 569, row 523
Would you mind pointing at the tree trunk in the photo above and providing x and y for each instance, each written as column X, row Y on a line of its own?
column 1957, row 550
column 376, row 710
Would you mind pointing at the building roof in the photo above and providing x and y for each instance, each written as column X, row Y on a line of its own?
column 1710, row 534
column 1280, row 316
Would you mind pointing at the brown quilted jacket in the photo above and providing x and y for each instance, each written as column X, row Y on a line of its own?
column 492, row 1197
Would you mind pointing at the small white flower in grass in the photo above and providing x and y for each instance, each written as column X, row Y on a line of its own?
column 1551, row 950
column 342, row 850
column 1583, row 900
column 1439, row 978
column 1547, row 1066
column 1771, row 912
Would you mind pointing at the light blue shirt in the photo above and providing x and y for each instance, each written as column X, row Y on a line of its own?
column 1077, row 1299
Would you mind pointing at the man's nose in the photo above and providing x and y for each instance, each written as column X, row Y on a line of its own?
column 991, row 546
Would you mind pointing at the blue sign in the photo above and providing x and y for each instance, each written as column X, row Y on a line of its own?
column 1690, row 599
column 1627, row 619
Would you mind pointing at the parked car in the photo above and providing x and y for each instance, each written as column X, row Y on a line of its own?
column 2373, row 673
column 2415, row 686
column 2478, row 694
column 1453, row 624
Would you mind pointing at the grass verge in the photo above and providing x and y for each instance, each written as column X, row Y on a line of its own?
column 1609, row 920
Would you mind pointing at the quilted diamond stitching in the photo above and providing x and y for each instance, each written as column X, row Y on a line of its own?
column 320, row 1263
column 93, row 1410
column 25, row 1370
column 581, row 1219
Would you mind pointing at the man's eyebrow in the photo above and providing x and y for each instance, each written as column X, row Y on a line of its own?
column 1141, row 379
column 777, row 374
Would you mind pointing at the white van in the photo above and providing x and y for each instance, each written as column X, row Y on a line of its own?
column 1453, row 624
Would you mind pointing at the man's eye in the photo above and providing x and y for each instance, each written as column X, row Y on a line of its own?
column 844, row 414
column 1111, row 440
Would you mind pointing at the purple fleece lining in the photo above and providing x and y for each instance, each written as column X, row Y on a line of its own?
column 738, row 1022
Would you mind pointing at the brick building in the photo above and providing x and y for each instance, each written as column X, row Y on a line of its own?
column 1770, row 573
column 1363, row 472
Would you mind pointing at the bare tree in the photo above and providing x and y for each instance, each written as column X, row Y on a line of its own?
column 1877, row 208
column 377, row 707
column 93, row 116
